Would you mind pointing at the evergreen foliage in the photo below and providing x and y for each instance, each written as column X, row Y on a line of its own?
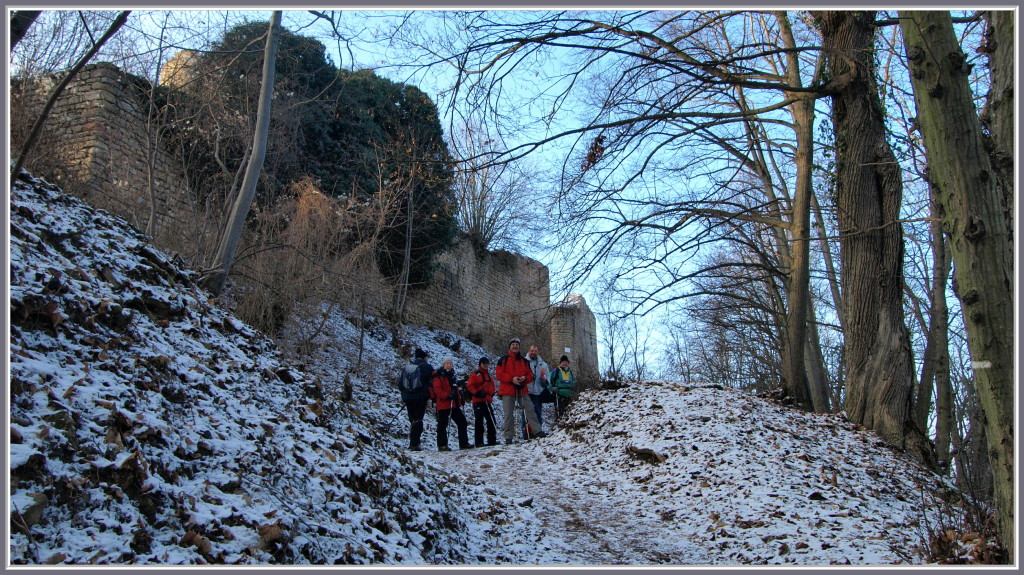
column 354, row 133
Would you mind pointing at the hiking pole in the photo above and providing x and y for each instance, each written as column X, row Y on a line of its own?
column 490, row 413
column 494, row 424
column 393, row 418
column 522, row 417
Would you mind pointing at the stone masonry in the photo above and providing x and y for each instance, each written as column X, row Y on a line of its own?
column 573, row 332
column 94, row 145
column 488, row 298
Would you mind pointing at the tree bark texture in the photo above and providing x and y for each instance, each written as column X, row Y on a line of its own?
column 972, row 216
column 879, row 368
column 998, row 115
column 236, row 221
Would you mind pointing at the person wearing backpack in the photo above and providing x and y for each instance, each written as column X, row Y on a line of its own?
column 413, row 383
column 445, row 393
column 514, row 374
column 561, row 381
column 481, row 389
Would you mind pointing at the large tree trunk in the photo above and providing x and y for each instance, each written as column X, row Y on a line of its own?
column 973, row 217
column 879, row 369
column 236, row 221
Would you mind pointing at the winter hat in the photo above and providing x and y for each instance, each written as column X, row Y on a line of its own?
column 420, row 354
column 564, row 358
column 514, row 340
column 484, row 360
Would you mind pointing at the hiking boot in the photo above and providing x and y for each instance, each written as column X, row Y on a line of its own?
column 415, row 448
column 444, row 448
column 538, row 435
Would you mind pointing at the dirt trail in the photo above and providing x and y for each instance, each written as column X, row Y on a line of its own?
column 582, row 521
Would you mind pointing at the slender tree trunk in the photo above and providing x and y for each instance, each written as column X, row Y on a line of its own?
column 153, row 129
column 973, row 217
column 402, row 294
column 817, row 380
column 879, row 367
column 829, row 260
column 794, row 373
column 236, row 221
column 935, row 363
column 37, row 128
column 944, row 404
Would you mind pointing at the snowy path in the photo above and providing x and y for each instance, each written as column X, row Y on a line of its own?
column 574, row 518
column 667, row 474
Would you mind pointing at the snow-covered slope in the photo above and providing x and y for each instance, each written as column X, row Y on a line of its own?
column 149, row 426
column 705, row 475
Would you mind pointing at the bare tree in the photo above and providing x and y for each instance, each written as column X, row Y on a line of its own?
column 21, row 21
column 643, row 65
column 495, row 199
column 229, row 242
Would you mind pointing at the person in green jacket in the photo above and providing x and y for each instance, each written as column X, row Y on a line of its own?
column 561, row 381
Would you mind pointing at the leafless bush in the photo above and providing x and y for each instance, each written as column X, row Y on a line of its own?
column 303, row 251
column 961, row 530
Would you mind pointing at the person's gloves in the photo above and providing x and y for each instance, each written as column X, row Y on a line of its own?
column 452, row 396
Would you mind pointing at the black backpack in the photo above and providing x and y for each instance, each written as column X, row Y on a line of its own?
column 409, row 380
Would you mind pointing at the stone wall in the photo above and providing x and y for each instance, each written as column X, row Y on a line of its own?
column 574, row 333
column 95, row 147
column 490, row 298
column 493, row 297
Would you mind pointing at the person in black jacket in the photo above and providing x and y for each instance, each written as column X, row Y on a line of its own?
column 416, row 401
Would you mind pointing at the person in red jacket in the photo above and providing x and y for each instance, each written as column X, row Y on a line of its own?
column 445, row 393
column 514, row 374
column 481, row 389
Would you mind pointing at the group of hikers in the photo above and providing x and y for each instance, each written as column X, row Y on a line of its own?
column 516, row 377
